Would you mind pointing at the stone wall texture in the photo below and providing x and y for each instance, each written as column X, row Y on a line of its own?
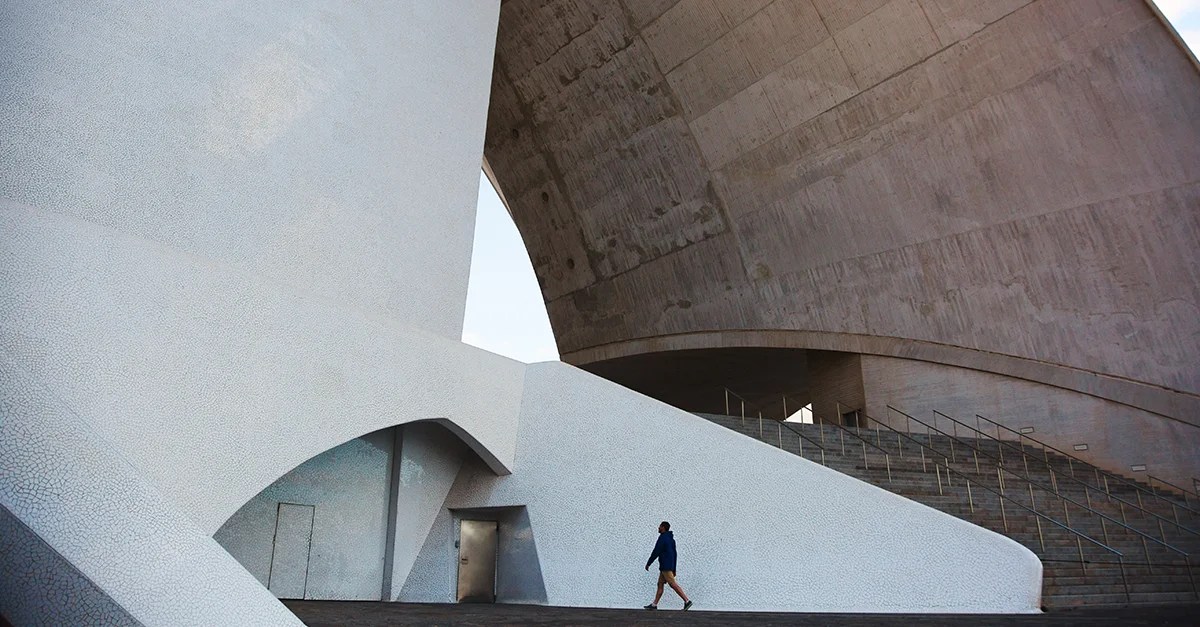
column 1011, row 185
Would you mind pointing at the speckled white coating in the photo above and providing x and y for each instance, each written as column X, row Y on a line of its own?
column 348, row 489
column 83, row 499
column 333, row 147
column 757, row 528
column 142, row 340
column 430, row 459
column 231, row 237
column 40, row 587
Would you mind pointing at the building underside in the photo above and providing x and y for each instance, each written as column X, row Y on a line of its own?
column 1003, row 191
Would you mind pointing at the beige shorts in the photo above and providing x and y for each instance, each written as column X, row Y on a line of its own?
column 666, row 576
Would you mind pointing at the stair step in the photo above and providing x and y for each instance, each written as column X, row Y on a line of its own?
column 899, row 467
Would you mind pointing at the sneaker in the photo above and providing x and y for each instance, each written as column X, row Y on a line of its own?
column 687, row 606
column 651, row 607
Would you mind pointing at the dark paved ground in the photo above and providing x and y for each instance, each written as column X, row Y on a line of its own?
column 374, row 614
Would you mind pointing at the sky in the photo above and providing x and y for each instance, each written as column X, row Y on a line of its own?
column 505, row 312
column 1185, row 16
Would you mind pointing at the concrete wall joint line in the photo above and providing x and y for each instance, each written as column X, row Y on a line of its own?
column 722, row 202
column 894, row 347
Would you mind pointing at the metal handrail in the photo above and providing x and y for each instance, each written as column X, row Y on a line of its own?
column 1071, row 457
column 1185, row 491
column 1044, row 488
column 781, row 422
column 998, row 494
column 803, row 438
column 945, row 465
column 887, row 456
column 1087, row 486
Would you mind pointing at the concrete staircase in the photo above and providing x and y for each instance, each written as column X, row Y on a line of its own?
column 1102, row 541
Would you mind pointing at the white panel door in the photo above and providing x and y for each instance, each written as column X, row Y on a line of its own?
column 289, row 557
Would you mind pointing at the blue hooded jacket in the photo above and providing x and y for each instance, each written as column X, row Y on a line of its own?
column 664, row 552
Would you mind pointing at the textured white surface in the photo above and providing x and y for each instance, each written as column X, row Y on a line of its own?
column 77, row 493
column 332, row 147
column 215, row 384
column 599, row 467
column 348, row 489
column 430, row 459
column 231, row 237
column 39, row 587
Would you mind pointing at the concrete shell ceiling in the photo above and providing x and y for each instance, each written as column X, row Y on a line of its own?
column 1011, row 183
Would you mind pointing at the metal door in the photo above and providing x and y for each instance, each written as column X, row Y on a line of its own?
column 288, row 577
column 477, row 561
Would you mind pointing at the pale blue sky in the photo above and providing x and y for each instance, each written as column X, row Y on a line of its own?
column 505, row 313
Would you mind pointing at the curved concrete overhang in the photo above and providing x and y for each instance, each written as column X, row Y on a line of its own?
column 280, row 467
column 1165, row 402
column 895, row 177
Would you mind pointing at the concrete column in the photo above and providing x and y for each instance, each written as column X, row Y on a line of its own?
column 427, row 459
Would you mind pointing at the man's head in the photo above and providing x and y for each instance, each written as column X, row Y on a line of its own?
column 664, row 527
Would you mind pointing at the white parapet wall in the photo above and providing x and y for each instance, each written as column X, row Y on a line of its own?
column 758, row 529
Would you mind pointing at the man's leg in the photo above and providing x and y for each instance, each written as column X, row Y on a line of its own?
column 661, row 581
column 670, row 577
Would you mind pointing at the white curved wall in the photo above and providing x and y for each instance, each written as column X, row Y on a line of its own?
column 213, row 383
column 347, row 487
column 331, row 147
column 232, row 237
column 758, row 529
column 77, row 492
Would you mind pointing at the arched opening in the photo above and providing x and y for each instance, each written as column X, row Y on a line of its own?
column 350, row 522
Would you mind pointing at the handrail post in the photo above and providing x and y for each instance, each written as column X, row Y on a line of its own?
column 842, row 430
column 1033, row 505
column 1124, row 581
column 954, row 427
column 1003, row 515
column 1187, row 561
column 1001, row 498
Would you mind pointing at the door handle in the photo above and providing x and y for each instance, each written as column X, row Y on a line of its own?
column 463, row 560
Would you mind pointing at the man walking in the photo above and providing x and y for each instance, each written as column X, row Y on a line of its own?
column 664, row 552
